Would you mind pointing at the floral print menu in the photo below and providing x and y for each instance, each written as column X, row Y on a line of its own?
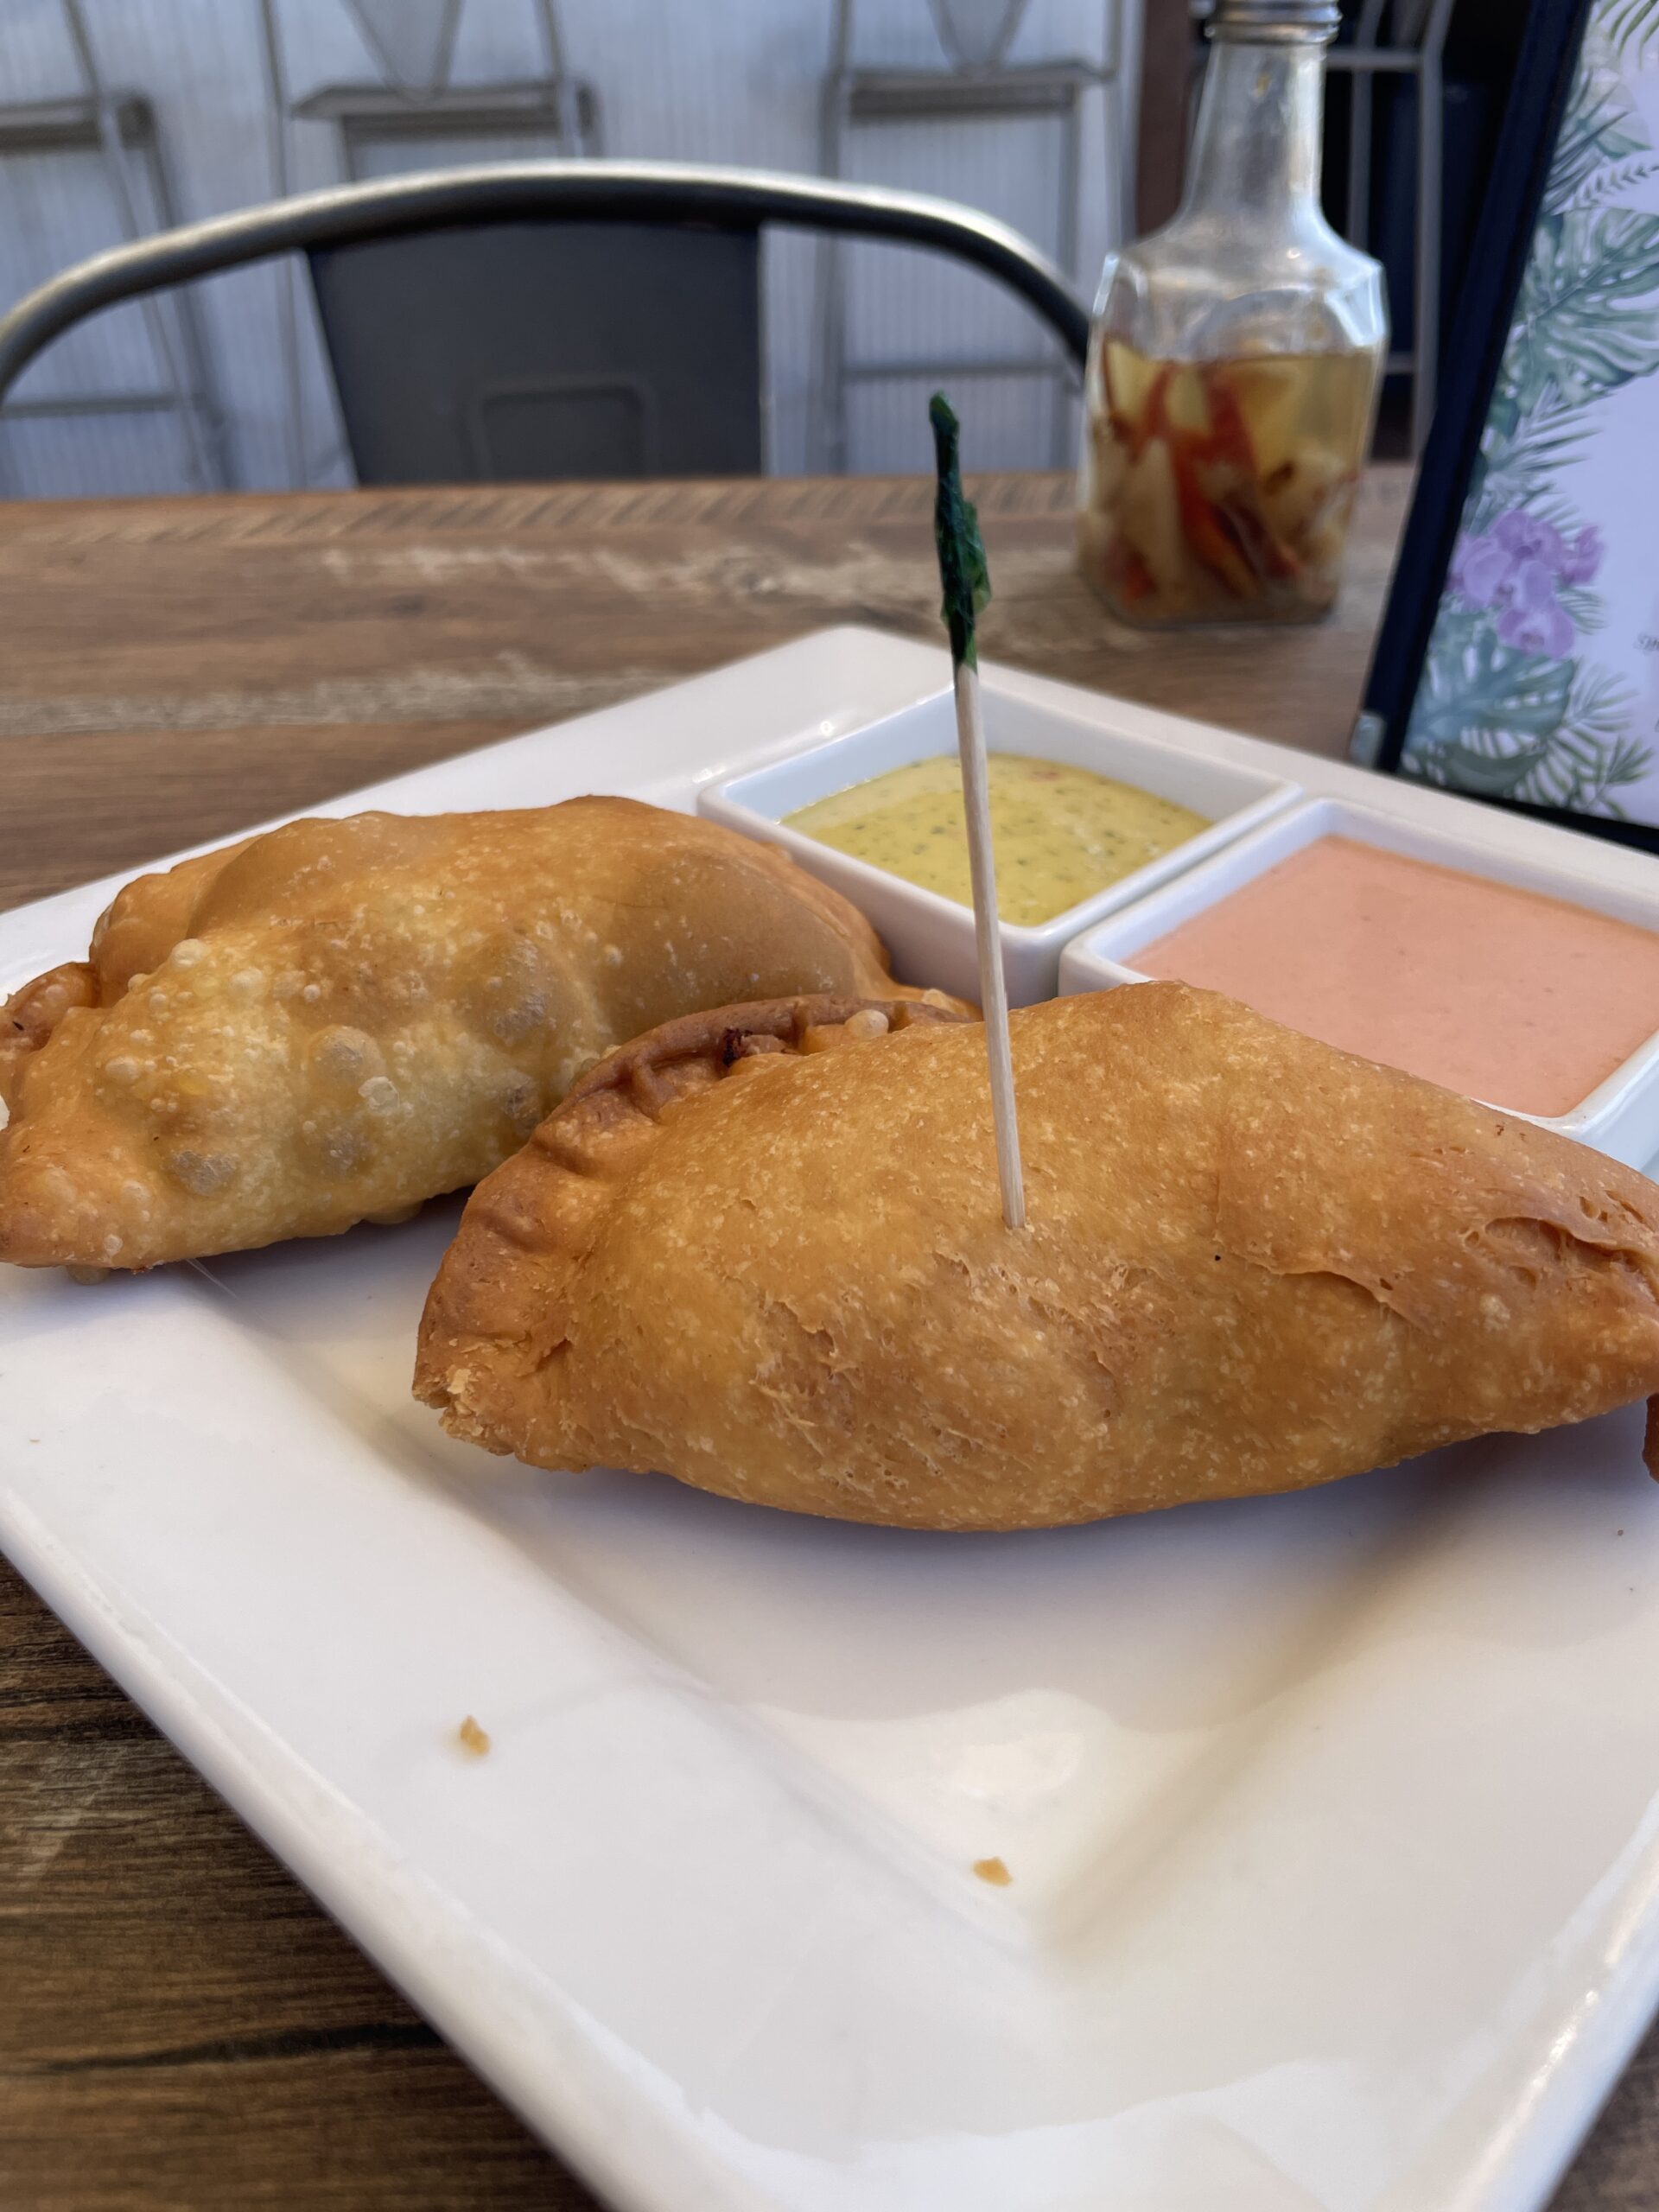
column 1541, row 680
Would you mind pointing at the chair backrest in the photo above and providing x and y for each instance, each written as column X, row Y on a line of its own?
column 413, row 40
column 538, row 351
column 976, row 34
column 507, row 406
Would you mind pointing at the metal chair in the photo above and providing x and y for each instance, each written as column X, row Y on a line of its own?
column 395, row 123
column 981, row 84
column 121, row 127
column 417, row 101
column 507, row 382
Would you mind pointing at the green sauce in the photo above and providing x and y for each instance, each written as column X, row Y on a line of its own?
column 1061, row 834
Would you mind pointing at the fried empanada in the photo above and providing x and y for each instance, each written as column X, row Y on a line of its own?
column 1252, row 1263
column 340, row 1019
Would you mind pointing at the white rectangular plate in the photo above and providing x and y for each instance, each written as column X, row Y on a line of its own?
column 1334, row 1820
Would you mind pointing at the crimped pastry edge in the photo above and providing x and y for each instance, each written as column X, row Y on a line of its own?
column 523, row 1207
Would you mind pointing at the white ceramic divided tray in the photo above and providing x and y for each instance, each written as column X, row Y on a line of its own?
column 1334, row 1820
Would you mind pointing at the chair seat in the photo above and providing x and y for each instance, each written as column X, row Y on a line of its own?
column 1034, row 88
column 459, row 111
column 67, row 126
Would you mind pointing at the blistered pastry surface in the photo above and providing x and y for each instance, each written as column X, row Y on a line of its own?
column 1252, row 1263
column 343, row 1018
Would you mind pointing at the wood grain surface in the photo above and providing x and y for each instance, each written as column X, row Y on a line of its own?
column 180, row 2026
column 175, row 668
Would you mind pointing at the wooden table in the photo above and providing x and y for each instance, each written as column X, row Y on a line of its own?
column 179, row 2027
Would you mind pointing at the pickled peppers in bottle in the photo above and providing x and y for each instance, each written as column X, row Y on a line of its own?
column 1232, row 376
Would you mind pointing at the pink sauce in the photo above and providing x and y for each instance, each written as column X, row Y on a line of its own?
column 1511, row 997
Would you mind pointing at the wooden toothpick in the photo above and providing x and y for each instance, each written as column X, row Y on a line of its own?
column 967, row 587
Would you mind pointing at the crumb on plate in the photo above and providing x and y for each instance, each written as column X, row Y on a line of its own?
column 993, row 1871
column 473, row 1738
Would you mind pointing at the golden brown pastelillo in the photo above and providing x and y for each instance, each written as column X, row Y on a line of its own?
column 1252, row 1263
column 342, row 1018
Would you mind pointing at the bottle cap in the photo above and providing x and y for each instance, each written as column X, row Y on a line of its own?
column 1275, row 19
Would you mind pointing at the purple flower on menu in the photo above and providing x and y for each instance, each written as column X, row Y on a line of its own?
column 1527, row 538
column 1533, row 618
column 1515, row 568
column 1582, row 558
column 1480, row 569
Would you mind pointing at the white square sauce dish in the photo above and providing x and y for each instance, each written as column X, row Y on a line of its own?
column 930, row 936
column 1455, row 952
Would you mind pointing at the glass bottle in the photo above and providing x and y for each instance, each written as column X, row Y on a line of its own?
column 1232, row 376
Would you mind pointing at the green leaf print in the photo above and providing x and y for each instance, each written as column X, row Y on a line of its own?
column 1579, row 332
column 1630, row 26
column 1488, row 775
column 1599, row 130
column 1473, row 683
column 1517, row 470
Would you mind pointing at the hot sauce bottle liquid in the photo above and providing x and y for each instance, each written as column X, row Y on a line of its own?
column 1232, row 375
